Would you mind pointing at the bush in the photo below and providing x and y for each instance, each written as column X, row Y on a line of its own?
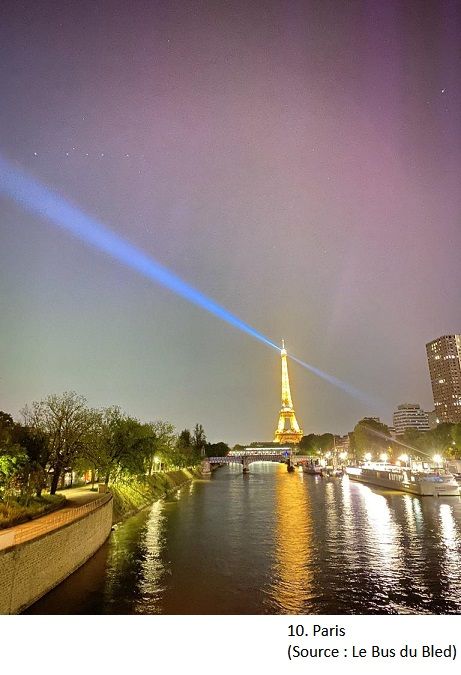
column 14, row 513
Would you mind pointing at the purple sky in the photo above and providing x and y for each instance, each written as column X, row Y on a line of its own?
column 299, row 162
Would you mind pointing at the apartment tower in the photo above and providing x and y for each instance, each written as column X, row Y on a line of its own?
column 410, row 416
column 444, row 359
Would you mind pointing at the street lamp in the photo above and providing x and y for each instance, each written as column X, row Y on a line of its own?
column 383, row 457
column 438, row 459
column 367, row 456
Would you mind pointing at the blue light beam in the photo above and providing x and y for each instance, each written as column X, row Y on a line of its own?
column 41, row 201
column 353, row 391
column 48, row 205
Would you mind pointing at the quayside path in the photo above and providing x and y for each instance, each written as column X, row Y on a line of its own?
column 79, row 501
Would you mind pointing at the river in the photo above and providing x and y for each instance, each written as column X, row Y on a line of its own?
column 273, row 542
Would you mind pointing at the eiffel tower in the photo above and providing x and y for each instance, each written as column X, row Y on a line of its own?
column 288, row 430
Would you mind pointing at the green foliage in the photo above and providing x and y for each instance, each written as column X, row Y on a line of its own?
column 217, row 449
column 199, row 440
column 6, row 428
column 313, row 444
column 369, row 435
column 132, row 494
column 67, row 424
column 13, row 463
column 62, row 434
column 185, row 441
column 444, row 440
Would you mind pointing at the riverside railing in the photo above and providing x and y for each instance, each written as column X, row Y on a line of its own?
column 48, row 523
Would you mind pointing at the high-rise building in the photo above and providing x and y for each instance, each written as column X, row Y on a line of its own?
column 444, row 359
column 410, row 416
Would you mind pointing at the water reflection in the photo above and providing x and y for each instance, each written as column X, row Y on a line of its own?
column 451, row 547
column 292, row 577
column 381, row 537
column 152, row 567
column 274, row 542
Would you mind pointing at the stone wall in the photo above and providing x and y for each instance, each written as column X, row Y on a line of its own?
column 31, row 569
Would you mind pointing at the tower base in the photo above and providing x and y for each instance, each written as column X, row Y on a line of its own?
column 288, row 437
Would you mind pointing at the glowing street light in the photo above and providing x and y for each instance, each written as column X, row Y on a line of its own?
column 384, row 457
column 367, row 456
column 438, row 459
column 343, row 455
column 404, row 458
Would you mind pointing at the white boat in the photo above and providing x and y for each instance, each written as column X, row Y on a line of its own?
column 434, row 482
column 313, row 469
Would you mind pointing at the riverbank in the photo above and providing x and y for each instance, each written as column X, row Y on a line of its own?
column 35, row 557
column 134, row 494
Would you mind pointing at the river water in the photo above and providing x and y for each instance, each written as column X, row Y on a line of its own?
column 273, row 542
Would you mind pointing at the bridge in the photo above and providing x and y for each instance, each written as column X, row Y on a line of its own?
column 251, row 455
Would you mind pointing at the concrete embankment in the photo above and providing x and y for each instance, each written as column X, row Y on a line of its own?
column 36, row 557
column 31, row 568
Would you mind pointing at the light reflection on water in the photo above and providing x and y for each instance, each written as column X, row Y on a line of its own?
column 292, row 571
column 273, row 542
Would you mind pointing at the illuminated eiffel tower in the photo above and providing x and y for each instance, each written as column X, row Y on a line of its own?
column 288, row 430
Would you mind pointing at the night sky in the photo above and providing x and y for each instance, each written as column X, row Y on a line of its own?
column 299, row 162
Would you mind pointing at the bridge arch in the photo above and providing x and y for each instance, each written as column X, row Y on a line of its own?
column 246, row 458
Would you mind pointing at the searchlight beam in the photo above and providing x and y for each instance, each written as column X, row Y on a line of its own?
column 41, row 201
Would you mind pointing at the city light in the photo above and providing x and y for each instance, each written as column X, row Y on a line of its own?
column 367, row 456
column 403, row 458
column 438, row 459
column 384, row 457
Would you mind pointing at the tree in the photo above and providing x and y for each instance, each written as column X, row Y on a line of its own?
column 120, row 444
column 437, row 441
column 13, row 461
column 66, row 422
column 313, row 444
column 456, row 443
column 34, row 443
column 217, row 449
column 185, row 454
column 6, row 428
column 23, row 459
column 440, row 439
column 185, row 441
column 307, row 445
column 163, row 443
column 199, row 440
column 369, row 435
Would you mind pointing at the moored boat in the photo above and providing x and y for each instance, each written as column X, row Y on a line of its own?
column 313, row 469
column 433, row 482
